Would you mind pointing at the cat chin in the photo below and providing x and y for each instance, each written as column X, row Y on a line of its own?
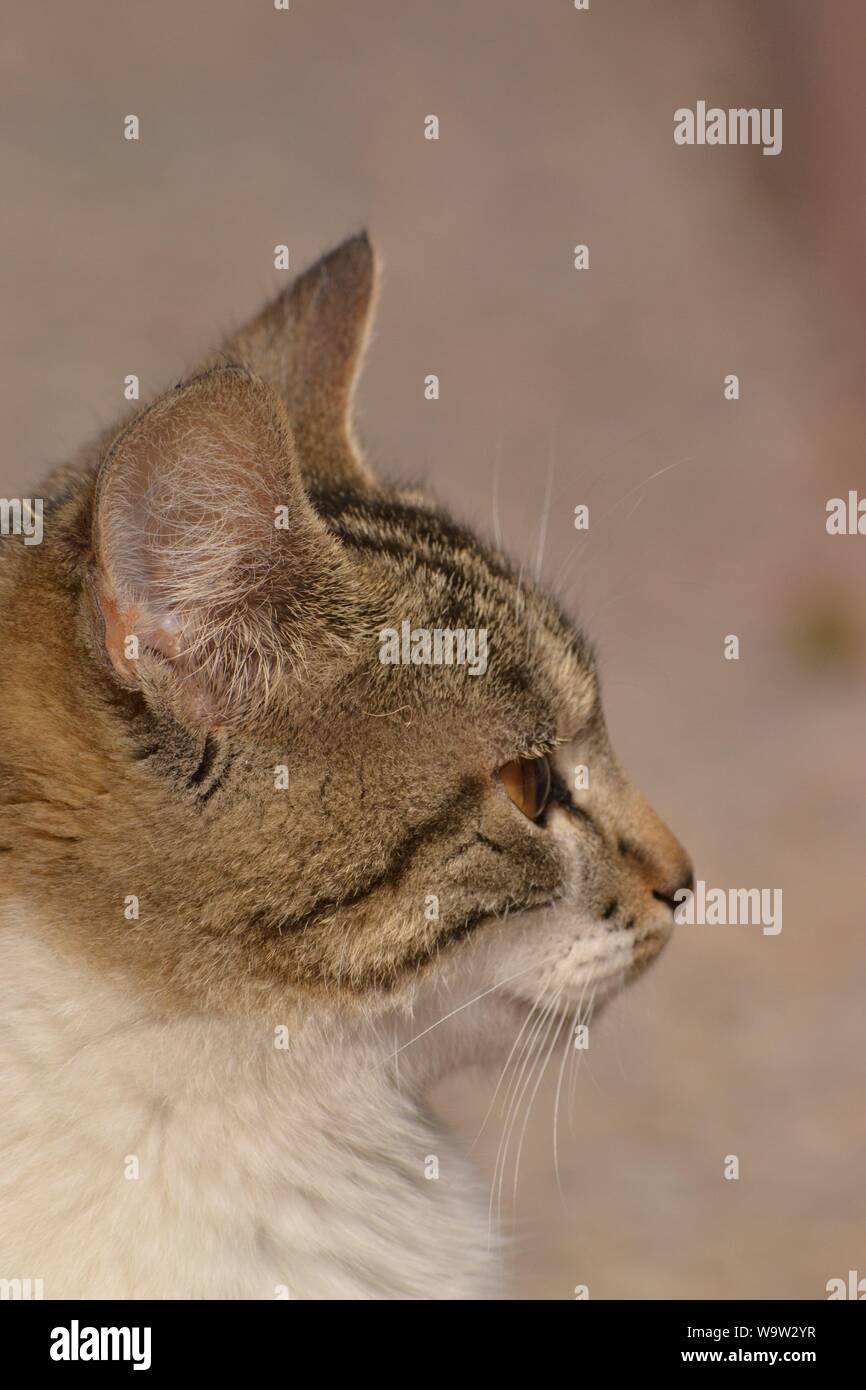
column 568, row 962
column 583, row 998
column 477, row 1028
column 550, row 966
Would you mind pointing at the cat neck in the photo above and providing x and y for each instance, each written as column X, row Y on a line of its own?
column 207, row 1157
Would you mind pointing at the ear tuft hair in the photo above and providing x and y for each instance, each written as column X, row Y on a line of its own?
column 208, row 554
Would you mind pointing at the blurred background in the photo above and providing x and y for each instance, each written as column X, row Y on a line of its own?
column 707, row 517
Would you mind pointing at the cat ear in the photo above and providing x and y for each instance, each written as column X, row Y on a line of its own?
column 309, row 345
column 212, row 575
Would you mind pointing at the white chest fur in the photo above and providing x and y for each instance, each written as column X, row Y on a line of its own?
column 145, row 1158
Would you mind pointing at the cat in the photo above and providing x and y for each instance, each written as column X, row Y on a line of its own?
column 262, row 888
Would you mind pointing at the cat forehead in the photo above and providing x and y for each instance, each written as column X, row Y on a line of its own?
column 444, row 598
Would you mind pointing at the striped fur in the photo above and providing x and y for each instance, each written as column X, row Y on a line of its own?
column 152, row 776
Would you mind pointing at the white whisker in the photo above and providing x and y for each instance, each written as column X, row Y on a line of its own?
column 545, row 510
column 542, row 1070
column 502, row 1152
column 474, row 1000
column 514, row 1046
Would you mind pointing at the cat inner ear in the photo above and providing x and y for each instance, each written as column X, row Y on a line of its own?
column 308, row 344
column 212, row 577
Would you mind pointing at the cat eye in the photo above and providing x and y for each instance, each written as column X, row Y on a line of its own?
column 527, row 781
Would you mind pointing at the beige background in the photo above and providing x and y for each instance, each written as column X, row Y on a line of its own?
column 261, row 127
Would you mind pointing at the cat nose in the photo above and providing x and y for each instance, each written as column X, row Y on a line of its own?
column 669, row 896
column 656, row 853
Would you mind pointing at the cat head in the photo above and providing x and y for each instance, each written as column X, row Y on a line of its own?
column 279, row 734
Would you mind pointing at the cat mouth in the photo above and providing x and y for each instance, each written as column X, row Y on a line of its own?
column 464, row 930
column 648, row 946
column 587, row 973
column 512, row 908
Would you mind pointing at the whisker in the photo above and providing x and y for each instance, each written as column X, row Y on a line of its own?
column 522, row 1029
column 547, row 1019
column 474, row 1000
column 502, row 1151
column 541, row 1075
column 545, row 510
column 584, row 552
column 517, row 1077
column 572, row 1083
column 566, row 1052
